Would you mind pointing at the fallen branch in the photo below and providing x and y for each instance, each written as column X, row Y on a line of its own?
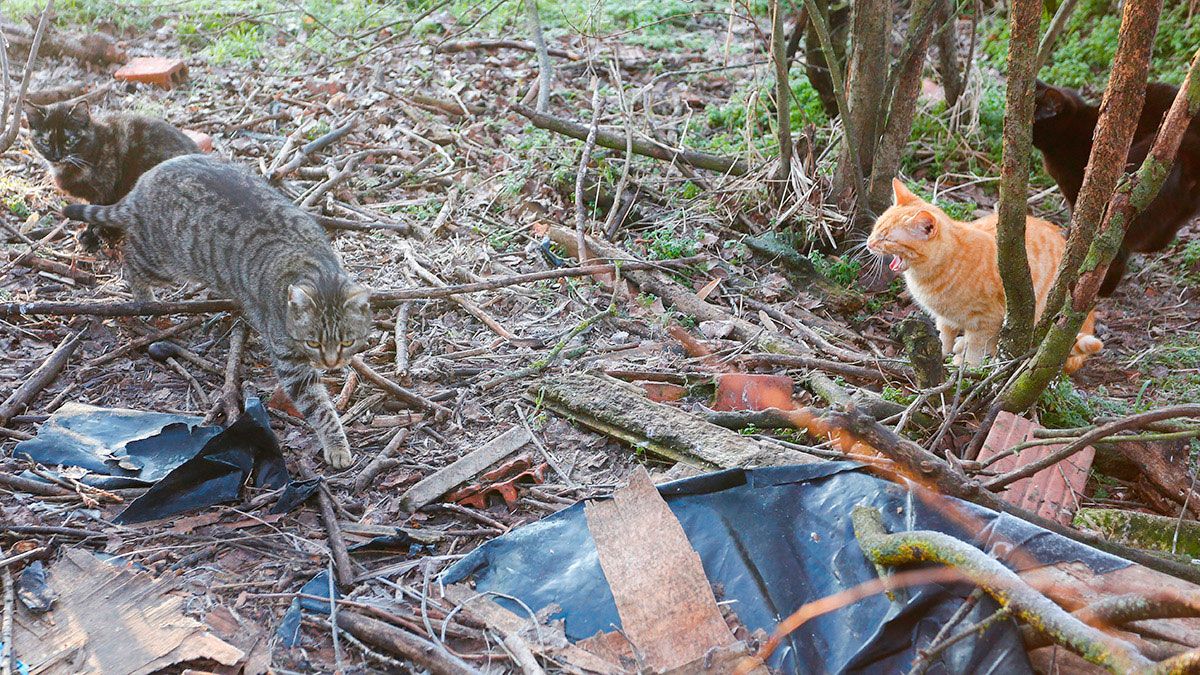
column 440, row 412
column 39, row 378
column 31, row 486
column 472, row 45
column 402, row 643
column 1122, row 609
column 379, row 463
column 94, row 47
column 1035, row 609
column 614, row 141
column 383, row 298
column 13, row 107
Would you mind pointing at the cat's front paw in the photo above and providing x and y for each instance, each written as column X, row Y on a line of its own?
column 338, row 458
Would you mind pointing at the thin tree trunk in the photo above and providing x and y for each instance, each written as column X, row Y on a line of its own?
column 1011, row 255
column 867, row 73
column 822, row 56
column 1057, row 24
column 545, row 68
column 900, row 112
column 1119, row 112
column 783, row 97
column 947, row 44
column 1137, row 27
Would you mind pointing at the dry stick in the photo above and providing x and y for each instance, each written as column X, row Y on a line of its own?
column 469, row 307
column 231, row 404
column 976, row 628
column 471, row 45
column 611, row 223
column 811, row 363
column 380, row 462
column 190, row 379
column 1119, row 610
column 392, row 639
column 144, row 341
column 1131, row 422
column 440, row 412
column 1057, row 24
column 31, row 486
column 39, row 378
column 612, row 141
column 444, row 213
column 783, row 96
column 584, row 158
column 401, row 335
column 12, row 560
column 14, row 122
column 996, row 580
column 381, row 298
column 343, row 569
column 313, row 146
column 545, row 68
column 1011, row 255
column 6, row 626
column 925, row 656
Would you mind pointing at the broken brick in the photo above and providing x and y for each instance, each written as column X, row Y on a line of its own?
column 155, row 70
column 203, row 140
column 663, row 392
column 751, row 391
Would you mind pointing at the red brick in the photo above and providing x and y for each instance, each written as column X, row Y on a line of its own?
column 663, row 392
column 749, row 391
column 156, row 70
column 1052, row 492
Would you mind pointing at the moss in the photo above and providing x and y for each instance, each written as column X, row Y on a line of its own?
column 1143, row 530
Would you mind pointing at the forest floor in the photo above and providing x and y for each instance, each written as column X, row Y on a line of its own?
column 494, row 184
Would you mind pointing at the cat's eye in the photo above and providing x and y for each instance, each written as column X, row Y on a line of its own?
column 312, row 344
column 347, row 343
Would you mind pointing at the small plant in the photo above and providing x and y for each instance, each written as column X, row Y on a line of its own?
column 839, row 269
column 665, row 244
column 1063, row 407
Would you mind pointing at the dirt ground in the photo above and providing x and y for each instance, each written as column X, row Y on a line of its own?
column 504, row 181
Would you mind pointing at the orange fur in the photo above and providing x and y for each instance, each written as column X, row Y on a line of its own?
column 951, row 271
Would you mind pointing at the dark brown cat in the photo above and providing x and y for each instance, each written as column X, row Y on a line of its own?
column 1063, row 126
column 98, row 159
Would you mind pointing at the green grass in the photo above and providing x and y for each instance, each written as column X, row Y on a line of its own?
column 841, row 270
column 1084, row 52
column 666, row 244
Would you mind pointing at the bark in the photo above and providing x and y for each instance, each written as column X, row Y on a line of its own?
column 901, row 109
column 947, row 42
column 1130, row 199
column 783, row 98
column 818, row 65
column 1119, row 112
column 1011, row 255
column 867, row 75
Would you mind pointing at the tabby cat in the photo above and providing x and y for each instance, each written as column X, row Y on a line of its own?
column 201, row 219
column 951, row 271
column 1063, row 126
column 98, row 159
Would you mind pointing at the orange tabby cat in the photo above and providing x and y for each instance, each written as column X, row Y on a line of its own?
column 951, row 271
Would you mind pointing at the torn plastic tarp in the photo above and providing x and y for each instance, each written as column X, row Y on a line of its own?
column 188, row 465
column 772, row 539
column 319, row 586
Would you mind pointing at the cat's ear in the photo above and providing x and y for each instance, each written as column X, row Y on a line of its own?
column 924, row 225
column 358, row 298
column 300, row 299
column 35, row 114
column 81, row 111
column 1048, row 101
column 901, row 195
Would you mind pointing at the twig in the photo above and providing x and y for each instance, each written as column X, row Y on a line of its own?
column 144, row 341
column 401, row 336
column 380, row 461
column 14, row 559
column 612, row 141
column 39, row 378
column 471, row 45
column 543, row 363
column 1057, row 24
column 416, row 649
column 585, row 157
column 309, row 148
column 974, row 629
column 14, row 122
column 230, row 401
column 925, row 656
column 470, row 307
column 545, row 67
column 618, row 212
column 343, row 569
column 439, row 411
column 805, row 362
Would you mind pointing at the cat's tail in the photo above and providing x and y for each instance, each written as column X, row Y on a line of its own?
column 1086, row 344
column 115, row 217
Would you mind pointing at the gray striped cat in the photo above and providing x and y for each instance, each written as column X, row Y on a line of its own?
column 197, row 218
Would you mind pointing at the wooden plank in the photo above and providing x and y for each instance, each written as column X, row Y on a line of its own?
column 1052, row 492
column 663, row 597
column 466, row 467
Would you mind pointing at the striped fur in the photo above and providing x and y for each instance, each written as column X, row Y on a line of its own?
column 951, row 271
column 99, row 158
column 197, row 218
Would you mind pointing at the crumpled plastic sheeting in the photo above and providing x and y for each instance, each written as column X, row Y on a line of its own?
column 188, row 465
column 772, row 539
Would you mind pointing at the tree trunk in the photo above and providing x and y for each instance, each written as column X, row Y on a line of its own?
column 947, row 42
column 1011, row 255
column 1131, row 198
column 900, row 112
column 783, row 98
column 867, row 75
column 817, row 60
column 1119, row 112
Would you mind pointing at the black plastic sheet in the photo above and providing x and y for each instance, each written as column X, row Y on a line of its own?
column 773, row 539
column 187, row 464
